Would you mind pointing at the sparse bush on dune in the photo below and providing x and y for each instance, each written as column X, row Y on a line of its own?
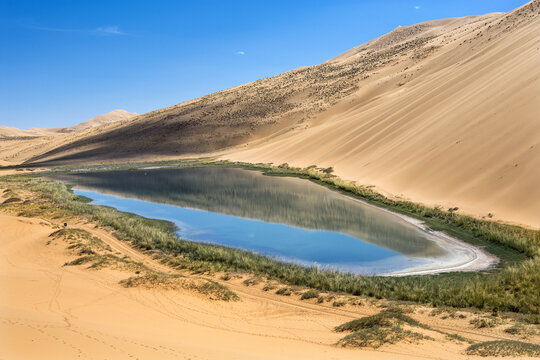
column 285, row 291
column 376, row 337
column 484, row 323
column 310, row 294
column 504, row 348
column 522, row 330
column 214, row 290
column 384, row 319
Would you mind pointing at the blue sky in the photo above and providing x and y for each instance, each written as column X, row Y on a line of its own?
column 63, row 62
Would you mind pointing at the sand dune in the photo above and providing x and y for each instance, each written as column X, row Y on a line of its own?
column 111, row 117
column 443, row 112
column 466, row 133
column 50, row 311
column 18, row 145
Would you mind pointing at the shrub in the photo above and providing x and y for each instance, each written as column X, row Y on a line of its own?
column 504, row 348
column 310, row 294
column 12, row 200
column 376, row 336
column 384, row 319
column 480, row 323
column 284, row 291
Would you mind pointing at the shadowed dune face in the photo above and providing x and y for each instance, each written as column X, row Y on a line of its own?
column 444, row 112
column 264, row 108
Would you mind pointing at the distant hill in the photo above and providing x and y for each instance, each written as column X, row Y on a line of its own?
column 113, row 116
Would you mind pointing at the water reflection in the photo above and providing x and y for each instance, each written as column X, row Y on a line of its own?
column 281, row 213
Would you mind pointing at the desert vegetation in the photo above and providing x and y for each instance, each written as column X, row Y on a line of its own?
column 382, row 328
column 93, row 253
column 504, row 348
column 512, row 287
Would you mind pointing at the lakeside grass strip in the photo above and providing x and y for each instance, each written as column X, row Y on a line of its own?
column 514, row 286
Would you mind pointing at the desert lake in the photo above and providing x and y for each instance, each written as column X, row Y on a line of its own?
column 288, row 219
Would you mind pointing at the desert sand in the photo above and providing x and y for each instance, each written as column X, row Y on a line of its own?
column 443, row 112
column 50, row 311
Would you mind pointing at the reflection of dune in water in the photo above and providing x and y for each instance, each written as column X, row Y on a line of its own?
column 250, row 194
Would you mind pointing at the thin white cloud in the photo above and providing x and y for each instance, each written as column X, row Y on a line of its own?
column 240, row 53
column 109, row 30
column 102, row 30
column 417, row 7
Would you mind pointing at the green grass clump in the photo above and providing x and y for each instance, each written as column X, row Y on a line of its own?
column 81, row 260
column 284, row 291
column 103, row 260
column 480, row 323
column 254, row 280
column 504, row 348
column 210, row 288
column 386, row 318
column 310, row 294
column 521, row 330
column 217, row 291
column 377, row 336
column 457, row 337
column 12, row 200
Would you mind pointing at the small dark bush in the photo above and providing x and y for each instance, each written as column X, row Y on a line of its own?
column 310, row 294
column 284, row 291
column 12, row 200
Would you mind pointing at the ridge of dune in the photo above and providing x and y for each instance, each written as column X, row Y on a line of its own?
column 10, row 131
column 111, row 117
column 443, row 112
column 402, row 34
column 17, row 145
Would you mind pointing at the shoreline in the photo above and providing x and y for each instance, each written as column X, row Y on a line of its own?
column 481, row 259
column 422, row 289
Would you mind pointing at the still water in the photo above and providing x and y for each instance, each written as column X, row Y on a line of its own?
column 289, row 219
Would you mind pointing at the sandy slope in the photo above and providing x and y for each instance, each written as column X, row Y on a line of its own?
column 466, row 132
column 444, row 112
column 52, row 312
